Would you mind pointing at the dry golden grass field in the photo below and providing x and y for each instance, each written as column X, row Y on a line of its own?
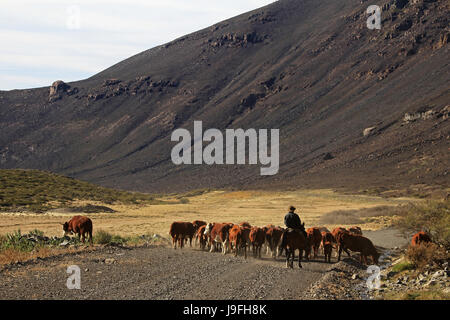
column 256, row 207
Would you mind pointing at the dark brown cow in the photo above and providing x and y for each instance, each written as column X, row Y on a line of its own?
column 197, row 224
column 257, row 237
column 273, row 237
column 356, row 230
column 238, row 239
column 327, row 240
column 80, row 225
column 322, row 229
column 314, row 238
column 201, row 237
column 179, row 231
column 420, row 237
column 357, row 243
column 218, row 233
column 245, row 225
column 294, row 240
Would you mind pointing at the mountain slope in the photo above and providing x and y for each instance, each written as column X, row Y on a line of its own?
column 310, row 68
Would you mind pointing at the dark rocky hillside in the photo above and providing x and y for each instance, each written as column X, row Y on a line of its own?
column 356, row 108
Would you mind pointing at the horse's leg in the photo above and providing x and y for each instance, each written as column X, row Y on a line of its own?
column 339, row 253
column 287, row 257
column 300, row 259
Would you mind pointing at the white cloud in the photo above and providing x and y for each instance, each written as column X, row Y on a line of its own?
column 36, row 40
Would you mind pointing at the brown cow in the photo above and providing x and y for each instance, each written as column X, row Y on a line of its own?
column 294, row 240
column 322, row 229
column 218, row 233
column 197, row 224
column 257, row 237
column 356, row 230
column 358, row 243
column 245, row 225
column 420, row 237
column 238, row 239
column 273, row 237
column 79, row 225
column 201, row 237
column 336, row 234
column 327, row 240
column 314, row 238
column 179, row 231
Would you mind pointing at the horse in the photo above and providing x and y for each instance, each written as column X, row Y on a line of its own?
column 294, row 240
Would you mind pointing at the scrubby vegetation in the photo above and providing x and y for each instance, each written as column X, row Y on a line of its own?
column 431, row 216
column 16, row 246
column 427, row 254
column 358, row 216
column 30, row 241
column 39, row 191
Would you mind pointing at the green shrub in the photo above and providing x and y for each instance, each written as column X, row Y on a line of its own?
column 102, row 237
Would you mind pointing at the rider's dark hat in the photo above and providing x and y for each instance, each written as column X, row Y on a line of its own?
column 291, row 208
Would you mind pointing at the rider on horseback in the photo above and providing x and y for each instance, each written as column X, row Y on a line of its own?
column 292, row 220
column 293, row 224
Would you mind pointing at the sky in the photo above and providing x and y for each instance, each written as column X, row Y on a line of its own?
column 47, row 40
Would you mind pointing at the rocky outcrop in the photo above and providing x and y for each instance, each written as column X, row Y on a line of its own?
column 140, row 85
column 236, row 40
column 57, row 89
column 369, row 131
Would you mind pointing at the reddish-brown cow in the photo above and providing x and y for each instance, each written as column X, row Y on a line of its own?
column 327, row 240
column 238, row 239
column 420, row 237
column 336, row 234
column 179, row 231
column 314, row 238
column 201, row 237
column 80, row 225
column 218, row 233
column 357, row 243
column 273, row 237
column 257, row 237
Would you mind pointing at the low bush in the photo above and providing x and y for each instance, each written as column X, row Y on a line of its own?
column 432, row 217
column 426, row 254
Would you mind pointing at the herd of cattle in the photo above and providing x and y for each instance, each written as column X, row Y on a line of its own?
column 237, row 238
column 229, row 237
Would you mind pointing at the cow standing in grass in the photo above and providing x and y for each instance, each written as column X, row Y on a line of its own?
column 79, row 225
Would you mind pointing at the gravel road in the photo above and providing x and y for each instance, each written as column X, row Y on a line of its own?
column 161, row 273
